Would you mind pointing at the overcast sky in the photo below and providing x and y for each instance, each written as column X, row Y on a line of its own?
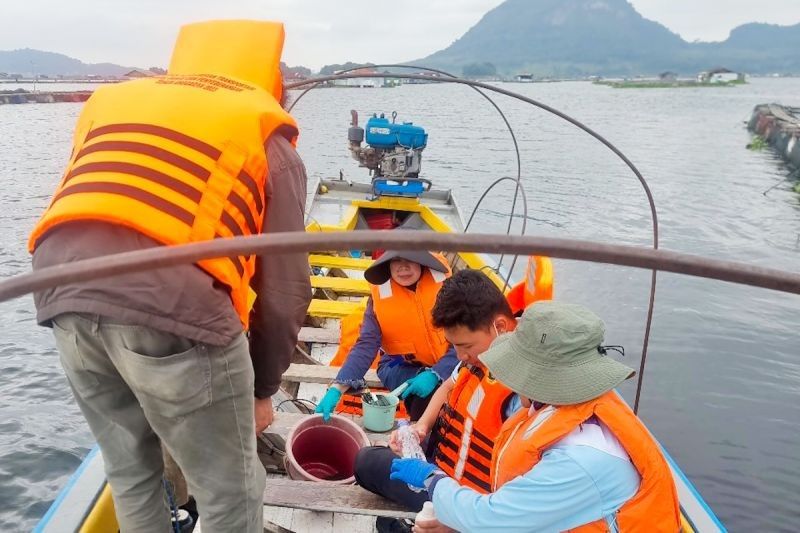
column 141, row 32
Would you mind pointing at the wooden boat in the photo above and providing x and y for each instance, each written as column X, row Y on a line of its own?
column 85, row 504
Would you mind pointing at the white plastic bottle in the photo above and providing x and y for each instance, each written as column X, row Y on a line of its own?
column 409, row 442
column 427, row 514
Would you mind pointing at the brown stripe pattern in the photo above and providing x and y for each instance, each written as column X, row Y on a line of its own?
column 158, row 131
column 133, row 192
column 235, row 201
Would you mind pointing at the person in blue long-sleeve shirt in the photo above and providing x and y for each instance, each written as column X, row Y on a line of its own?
column 577, row 458
column 397, row 324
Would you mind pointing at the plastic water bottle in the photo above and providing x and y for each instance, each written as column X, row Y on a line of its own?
column 409, row 445
column 409, row 442
column 426, row 514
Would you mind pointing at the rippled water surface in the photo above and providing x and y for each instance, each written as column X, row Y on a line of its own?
column 722, row 387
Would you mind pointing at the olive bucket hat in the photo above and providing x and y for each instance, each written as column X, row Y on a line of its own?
column 378, row 272
column 552, row 356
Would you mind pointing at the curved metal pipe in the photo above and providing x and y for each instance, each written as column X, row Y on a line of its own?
column 497, row 108
column 300, row 242
column 518, row 188
column 511, row 94
column 577, row 123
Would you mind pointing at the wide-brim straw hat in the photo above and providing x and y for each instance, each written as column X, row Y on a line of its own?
column 378, row 272
column 552, row 356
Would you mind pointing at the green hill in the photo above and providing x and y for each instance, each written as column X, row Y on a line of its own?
column 28, row 62
column 607, row 37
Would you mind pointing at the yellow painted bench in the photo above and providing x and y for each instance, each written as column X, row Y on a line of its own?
column 338, row 261
column 334, row 308
column 341, row 285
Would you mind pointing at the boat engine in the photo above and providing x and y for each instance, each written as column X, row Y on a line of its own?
column 393, row 154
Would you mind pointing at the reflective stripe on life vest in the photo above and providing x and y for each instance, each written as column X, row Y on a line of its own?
column 468, row 425
column 181, row 158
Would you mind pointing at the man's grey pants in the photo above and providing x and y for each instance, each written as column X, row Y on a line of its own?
column 137, row 385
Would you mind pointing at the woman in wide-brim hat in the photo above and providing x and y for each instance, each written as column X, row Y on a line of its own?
column 576, row 457
column 397, row 323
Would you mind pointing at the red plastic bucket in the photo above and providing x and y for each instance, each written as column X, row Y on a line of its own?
column 380, row 220
column 324, row 451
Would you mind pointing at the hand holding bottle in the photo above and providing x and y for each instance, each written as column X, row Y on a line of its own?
column 421, row 431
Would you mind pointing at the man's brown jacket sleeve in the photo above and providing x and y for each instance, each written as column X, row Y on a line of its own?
column 281, row 281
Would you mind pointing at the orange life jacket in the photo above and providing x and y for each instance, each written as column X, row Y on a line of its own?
column 404, row 317
column 537, row 285
column 350, row 403
column 525, row 437
column 181, row 158
column 468, row 425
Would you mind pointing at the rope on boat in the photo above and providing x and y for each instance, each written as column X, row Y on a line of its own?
column 314, row 82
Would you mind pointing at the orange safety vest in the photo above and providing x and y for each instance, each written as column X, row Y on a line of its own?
column 524, row 438
column 537, row 285
column 468, row 425
column 350, row 403
column 405, row 319
column 181, row 158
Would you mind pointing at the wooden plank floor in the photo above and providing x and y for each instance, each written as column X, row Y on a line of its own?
column 302, row 521
column 321, row 335
column 328, row 497
column 281, row 519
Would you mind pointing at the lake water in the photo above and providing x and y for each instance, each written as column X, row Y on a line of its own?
column 722, row 386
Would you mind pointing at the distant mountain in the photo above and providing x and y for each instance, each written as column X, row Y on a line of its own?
column 757, row 48
column 28, row 62
column 607, row 37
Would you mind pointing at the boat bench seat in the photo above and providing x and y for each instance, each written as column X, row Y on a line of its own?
column 284, row 421
column 300, row 373
column 341, row 285
column 351, row 499
column 339, row 261
column 334, row 308
column 321, row 335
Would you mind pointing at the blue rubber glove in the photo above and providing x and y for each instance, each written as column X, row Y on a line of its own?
column 412, row 471
column 328, row 403
column 422, row 385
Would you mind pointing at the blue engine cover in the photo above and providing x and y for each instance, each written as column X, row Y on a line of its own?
column 384, row 134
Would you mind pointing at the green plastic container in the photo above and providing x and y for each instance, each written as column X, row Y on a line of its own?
column 380, row 418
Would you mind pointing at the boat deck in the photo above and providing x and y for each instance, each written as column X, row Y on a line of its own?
column 339, row 289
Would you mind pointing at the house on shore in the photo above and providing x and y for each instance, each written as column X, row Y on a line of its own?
column 137, row 73
column 721, row 75
column 140, row 73
column 376, row 81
